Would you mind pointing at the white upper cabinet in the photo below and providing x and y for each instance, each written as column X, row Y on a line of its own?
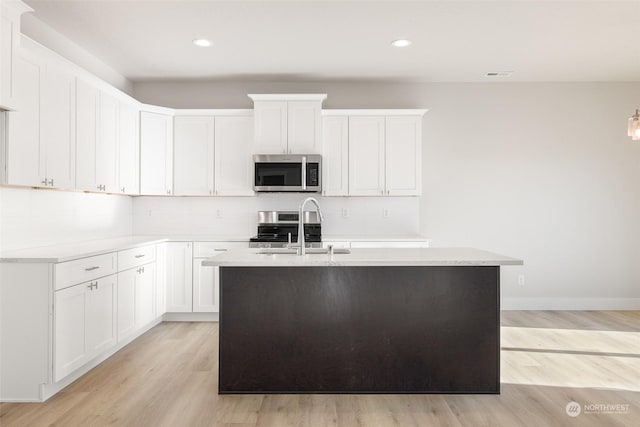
column 403, row 156
column 193, row 155
column 366, row 156
column 40, row 144
column 156, row 153
column 304, row 124
column 128, row 148
column 87, row 98
column 233, row 160
column 107, row 144
column 24, row 157
column 57, row 130
column 10, row 12
column 270, row 127
column 335, row 156
column 96, row 139
column 287, row 124
column 384, row 152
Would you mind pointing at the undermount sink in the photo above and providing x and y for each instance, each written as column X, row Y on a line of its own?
column 309, row 251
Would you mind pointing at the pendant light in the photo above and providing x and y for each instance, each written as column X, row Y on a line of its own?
column 634, row 126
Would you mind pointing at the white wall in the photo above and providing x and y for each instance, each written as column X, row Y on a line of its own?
column 237, row 216
column 544, row 172
column 30, row 218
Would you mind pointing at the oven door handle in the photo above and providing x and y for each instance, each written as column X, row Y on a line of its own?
column 304, row 172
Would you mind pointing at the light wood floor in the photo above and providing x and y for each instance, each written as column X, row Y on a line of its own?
column 168, row 377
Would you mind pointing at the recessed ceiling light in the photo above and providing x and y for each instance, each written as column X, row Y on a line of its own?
column 401, row 43
column 499, row 74
column 202, row 42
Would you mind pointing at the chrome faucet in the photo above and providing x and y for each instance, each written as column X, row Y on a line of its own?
column 301, row 248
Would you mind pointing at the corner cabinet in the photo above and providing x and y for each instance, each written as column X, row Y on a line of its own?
column 287, row 124
column 156, row 153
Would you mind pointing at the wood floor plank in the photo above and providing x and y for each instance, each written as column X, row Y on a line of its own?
column 168, row 377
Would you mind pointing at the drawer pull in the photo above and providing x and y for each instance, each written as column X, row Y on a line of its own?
column 91, row 268
column 139, row 256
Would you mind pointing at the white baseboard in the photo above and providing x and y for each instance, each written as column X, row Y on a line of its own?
column 191, row 317
column 571, row 304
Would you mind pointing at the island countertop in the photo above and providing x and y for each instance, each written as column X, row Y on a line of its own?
column 364, row 257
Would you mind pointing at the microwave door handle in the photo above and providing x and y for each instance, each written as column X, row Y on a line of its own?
column 304, row 172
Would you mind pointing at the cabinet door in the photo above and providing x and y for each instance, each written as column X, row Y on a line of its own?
column 206, row 287
column 25, row 156
column 403, row 160
column 179, row 277
column 86, row 135
column 335, row 157
column 101, row 317
column 193, row 156
column 128, row 149
column 107, row 144
column 233, row 160
column 69, row 329
column 126, row 303
column 7, row 33
column 304, row 126
column 145, row 311
column 161, row 279
column 270, row 127
column 366, row 156
column 156, row 153
column 57, row 99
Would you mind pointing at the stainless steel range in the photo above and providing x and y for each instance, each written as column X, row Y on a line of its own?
column 276, row 229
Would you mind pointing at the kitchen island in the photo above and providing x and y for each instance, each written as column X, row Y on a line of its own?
column 371, row 321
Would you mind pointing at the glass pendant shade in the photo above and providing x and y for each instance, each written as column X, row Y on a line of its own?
column 634, row 126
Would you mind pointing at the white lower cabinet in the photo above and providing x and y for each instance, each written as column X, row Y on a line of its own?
column 126, row 303
column 85, row 323
column 179, row 277
column 145, row 295
column 136, row 299
column 206, row 287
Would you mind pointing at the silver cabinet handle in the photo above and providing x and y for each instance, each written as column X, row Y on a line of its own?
column 91, row 268
column 139, row 256
column 44, row 182
column 168, row 191
column 51, row 182
column 90, row 287
column 123, row 190
column 93, row 285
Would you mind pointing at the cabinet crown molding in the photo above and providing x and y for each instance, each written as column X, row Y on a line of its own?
column 288, row 96
column 375, row 112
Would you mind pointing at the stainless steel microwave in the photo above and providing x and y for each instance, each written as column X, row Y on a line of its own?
column 287, row 173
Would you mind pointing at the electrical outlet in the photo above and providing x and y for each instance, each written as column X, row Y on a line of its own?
column 385, row 213
column 218, row 213
column 521, row 279
column 345, row 213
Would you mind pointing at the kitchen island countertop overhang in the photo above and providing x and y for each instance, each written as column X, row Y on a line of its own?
column 365, row 257
column 371, row 321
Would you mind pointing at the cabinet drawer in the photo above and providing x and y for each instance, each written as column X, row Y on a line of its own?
column 136, row 256
column 209, row 249
column 82, row 270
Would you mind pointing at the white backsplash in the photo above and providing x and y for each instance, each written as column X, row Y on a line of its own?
column 237, row 216
column 30, row 218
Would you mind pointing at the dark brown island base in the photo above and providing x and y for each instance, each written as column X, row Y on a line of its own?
column 338, row 327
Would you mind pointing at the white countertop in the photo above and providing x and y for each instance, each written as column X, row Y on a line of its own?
column 71, row 251
column 369, row 238
column 365, row 257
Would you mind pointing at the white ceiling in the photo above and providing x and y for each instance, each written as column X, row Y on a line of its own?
column 310, row 40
